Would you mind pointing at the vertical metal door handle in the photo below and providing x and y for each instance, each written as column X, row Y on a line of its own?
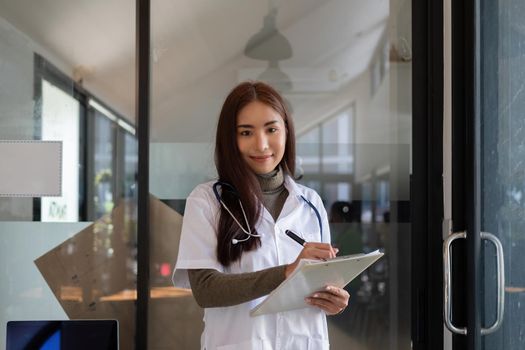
column 501, row 282
column 447, row 285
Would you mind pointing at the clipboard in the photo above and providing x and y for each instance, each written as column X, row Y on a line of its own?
column 311, row 276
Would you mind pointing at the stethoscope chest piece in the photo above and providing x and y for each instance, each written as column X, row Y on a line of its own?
column 247, row 230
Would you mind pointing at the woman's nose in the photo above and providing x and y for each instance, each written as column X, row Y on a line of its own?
column 261, row 142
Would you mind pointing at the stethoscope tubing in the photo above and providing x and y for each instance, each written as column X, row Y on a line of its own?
column 248, row 230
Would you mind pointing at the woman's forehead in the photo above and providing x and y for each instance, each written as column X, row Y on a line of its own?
column 257, row 113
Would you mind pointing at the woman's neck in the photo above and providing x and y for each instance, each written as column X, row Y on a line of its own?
column 272, row 181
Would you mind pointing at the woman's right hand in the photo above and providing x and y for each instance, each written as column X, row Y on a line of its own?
column 312, row 250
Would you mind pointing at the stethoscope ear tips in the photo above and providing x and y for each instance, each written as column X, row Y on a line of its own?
column 234, row 241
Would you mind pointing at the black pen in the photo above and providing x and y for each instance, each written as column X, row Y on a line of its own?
column 296, row 238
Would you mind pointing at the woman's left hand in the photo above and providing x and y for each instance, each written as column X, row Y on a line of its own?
column 332, row 300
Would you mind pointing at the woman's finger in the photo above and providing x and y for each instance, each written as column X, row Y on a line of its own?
column 339, row 292
column 324, row 305
column 332, row 300
column 336, row 300
column 325, row 247
column 319, row 252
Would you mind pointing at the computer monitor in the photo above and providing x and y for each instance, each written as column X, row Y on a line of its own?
column 62, row 335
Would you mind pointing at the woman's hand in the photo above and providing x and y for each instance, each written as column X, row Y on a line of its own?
column 313, row 250
column 332, row 300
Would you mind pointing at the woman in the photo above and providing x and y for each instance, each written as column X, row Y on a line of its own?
column 233, row 247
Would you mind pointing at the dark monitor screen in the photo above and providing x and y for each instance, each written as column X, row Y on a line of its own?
column 62, row 335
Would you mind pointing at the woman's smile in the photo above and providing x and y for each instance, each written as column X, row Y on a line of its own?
column 262, row 159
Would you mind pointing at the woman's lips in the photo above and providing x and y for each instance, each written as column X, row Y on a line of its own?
column 261, row 159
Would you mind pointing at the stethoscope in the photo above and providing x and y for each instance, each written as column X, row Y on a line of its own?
column 248, row 230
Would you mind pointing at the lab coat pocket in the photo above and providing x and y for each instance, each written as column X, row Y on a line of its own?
column 254, row 344
column 318, row 344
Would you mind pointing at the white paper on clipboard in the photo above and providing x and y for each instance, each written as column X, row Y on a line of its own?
column 311, row 276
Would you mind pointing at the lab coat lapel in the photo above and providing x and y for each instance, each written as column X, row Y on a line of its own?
column 293, row 200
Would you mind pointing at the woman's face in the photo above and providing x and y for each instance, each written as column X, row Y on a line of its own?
column 261, row 137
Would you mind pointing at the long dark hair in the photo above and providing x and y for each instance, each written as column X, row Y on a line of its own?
column 233, row 170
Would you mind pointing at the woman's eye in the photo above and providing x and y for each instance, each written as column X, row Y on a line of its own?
column 245, row 133
column 272, row 130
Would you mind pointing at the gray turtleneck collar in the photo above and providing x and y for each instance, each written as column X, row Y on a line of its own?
column 272, row 182
column 273, row 190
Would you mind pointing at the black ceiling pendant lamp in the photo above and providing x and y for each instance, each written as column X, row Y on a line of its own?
column 270, row 45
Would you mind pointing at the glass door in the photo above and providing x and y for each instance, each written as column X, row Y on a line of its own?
column 502, row 170
column 345, row 70
column 67, row 253
column 488, row 175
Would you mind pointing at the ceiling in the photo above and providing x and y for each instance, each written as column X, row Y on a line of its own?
column 197, row 51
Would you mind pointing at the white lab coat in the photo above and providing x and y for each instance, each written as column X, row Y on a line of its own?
column 232, row 328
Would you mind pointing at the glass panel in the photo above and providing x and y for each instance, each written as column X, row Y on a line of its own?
column 502, row 166
column 61, row 260
column 345, row 73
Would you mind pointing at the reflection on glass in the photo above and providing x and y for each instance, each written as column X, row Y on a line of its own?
column 337, row 140
column 103, row 165
column 367, row 204
column 327, row 146
column 130, row 166
column 308, row 151
column 382, row 201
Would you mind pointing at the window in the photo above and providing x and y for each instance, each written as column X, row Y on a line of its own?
column 325, row 156
column 61, row 121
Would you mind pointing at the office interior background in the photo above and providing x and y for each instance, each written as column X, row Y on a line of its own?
column 68, row 72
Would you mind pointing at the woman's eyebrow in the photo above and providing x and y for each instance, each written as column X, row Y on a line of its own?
column 248, row 126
